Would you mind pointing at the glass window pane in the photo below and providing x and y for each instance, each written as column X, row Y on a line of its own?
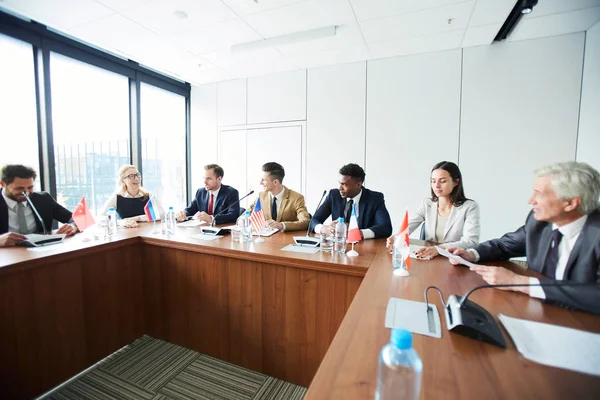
column 18, row 113
column 163, row 144
column 90, row 116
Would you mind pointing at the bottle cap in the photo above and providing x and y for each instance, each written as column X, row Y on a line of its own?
column 401, row 338
column 341, row 220
column 170, row 208
column 111, row 209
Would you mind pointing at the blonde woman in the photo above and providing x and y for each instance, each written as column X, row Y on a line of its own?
column 131, row 198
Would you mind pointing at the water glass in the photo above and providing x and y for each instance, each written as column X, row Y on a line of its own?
column 327, row 243
column 236, row 234
column 163, row 226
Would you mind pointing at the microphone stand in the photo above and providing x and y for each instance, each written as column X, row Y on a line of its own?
column 468, row 318
column 310, row 240
column 35, row 211
column 215, row 231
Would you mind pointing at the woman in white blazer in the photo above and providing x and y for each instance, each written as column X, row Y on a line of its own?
column 450, row 218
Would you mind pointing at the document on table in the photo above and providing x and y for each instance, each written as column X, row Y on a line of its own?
column 266, row 232
column 554, row 345
column 414, row 317
column 301, row 249
column 458, row 259
column 190, row 223
column 202, row 236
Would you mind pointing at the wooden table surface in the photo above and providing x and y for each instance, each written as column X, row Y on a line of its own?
column 57, row 304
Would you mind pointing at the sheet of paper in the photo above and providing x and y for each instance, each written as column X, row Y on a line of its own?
column 456, row 258
column 301, row 249
column 201, row 236
column 414, row 317
column 190, row 223
column 554, row 345
column 266, row 232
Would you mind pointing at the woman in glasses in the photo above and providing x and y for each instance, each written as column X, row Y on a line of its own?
column 131, row 198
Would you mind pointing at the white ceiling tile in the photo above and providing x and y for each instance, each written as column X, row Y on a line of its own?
column 245, row 7
column 480, row 35
column 345, row 36
column 420, row 23
column 555, row 24
column 54, row 13
column 299, row 17
column 121, row 5
column 416, row 45
column 253, row 63
column 373, row 9
column 488, row 12
column 331, row 57
column 158, row 15
column 216, row 37
column 548, row 7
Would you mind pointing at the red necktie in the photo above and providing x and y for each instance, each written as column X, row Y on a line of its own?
column 210, row 204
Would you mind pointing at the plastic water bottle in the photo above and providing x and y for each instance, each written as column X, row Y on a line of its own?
column 246, row 225
column 111, row 222
column 170, row 221
column 340, row 236
column 399, row 369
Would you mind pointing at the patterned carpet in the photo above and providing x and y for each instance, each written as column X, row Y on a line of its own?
column 153, row 369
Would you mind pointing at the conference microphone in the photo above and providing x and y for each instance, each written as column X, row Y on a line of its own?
column 310, row 240
column 215, row 231
column 35, row 211
column 468, row 318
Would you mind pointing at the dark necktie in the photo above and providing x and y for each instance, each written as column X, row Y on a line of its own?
column 552, row 260
column 210, row 204
column 21, row 218
column 348, row 210
column 274, row 209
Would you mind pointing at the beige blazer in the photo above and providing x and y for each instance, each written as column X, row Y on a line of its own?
column 462, row 229
column 292, row 210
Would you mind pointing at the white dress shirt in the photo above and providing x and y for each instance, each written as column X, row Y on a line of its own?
column 13, row 218
column 570, row 234
column 366, row 233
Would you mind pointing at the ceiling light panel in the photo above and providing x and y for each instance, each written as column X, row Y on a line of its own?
column 346, row 36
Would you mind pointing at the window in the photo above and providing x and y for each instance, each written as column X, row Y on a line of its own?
column 163, row 145
column 18, row 115
column 90, row 117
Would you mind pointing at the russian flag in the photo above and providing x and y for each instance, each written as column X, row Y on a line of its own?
column 149, row 211
column 353, row 231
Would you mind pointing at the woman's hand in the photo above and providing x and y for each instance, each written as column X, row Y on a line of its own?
column 426, row 252
column 129, row 222
column 389, row 243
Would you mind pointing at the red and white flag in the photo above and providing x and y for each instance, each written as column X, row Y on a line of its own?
column 353, row 231
column 403, row 240
column 82, row 216
column 258, row 218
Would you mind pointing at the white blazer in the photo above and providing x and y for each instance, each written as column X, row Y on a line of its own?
column 462, row 229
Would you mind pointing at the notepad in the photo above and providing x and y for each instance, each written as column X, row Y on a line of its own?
column 414, row 317
column 301, row 249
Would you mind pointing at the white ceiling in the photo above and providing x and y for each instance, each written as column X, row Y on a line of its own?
column 196, row 49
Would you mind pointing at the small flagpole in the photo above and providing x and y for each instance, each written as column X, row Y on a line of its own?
column 352, row 253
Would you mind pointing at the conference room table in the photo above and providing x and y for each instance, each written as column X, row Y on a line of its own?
column 312, row 319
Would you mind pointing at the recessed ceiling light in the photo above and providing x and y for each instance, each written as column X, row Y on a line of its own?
column 180, row 14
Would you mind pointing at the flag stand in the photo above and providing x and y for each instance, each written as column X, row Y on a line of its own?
column 352, row 253
column 259, row 239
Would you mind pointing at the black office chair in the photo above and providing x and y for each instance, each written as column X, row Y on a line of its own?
column 242, row 210
column 423, row 234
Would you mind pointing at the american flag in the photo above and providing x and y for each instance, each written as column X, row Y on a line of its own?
column 257, row 217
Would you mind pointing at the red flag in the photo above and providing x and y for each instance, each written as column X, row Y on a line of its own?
column 404, row 239
column 82, row 216
column 353, row 231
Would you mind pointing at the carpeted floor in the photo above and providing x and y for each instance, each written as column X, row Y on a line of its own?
column 154, row 369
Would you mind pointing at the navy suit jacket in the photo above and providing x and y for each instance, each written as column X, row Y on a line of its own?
column 372, row 213
column 533, row 240
column 48, row 208
column 227, row 196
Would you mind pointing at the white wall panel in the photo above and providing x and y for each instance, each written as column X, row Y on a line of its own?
column 232, row 157
column 520, row 105
column 232, row 102
column 413, row 108
column 277, row 97
column 335, row 125
column 204, row 136
column 588, row 144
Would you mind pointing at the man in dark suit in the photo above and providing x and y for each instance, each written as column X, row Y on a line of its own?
column 213, row 199
column 17, row 218
column 561, row 238
column 373, row 218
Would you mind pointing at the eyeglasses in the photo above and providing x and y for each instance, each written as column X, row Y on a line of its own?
column 133, row 176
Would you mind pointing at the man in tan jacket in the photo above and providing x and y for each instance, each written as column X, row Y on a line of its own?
column 283, row 208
